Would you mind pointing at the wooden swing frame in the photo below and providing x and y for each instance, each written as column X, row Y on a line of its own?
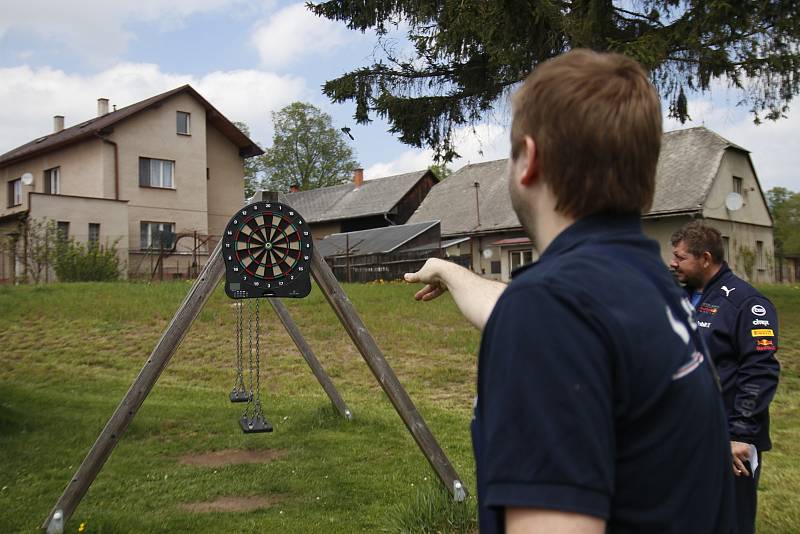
column 182, row 321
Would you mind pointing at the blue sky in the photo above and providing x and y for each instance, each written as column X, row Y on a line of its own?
column 249, row 58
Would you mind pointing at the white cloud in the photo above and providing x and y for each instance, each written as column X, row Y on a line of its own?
column 97, row 29
column 294, row 32
column 484, row 142
column 30, row 97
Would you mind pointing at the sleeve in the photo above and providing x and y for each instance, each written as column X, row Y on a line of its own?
column 757, row 375
column 545, row 393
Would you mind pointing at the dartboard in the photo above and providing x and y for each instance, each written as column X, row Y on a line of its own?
column 267, row 249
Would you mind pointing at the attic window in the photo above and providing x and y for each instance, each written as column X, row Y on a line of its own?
column 737, row 185
column 183, row 122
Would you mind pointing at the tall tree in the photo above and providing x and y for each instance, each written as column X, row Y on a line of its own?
column 467, row 55
column 307, row 151
column 253, row 167
column 785, row 208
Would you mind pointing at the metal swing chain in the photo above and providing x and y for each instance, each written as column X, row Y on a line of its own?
column 239, row 384
column 249, row 357
column 257, row 411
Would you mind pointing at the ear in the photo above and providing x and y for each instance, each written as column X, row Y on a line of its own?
column 707, row 259
column 530, row 162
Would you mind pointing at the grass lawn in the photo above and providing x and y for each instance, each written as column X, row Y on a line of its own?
column 68, row 353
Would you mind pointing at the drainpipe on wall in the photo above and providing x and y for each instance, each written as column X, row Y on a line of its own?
column 116, row 164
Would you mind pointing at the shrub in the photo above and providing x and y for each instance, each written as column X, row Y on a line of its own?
column 76, row 262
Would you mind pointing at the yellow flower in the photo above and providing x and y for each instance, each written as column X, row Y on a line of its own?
column 82, row 527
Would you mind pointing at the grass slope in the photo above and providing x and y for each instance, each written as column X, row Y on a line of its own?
column 68, row 353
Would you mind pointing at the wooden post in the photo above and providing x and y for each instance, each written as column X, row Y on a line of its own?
column 322, row 377
column 366, row 345
column 199, row 293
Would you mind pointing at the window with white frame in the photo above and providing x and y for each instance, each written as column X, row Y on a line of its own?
column 518, row 258
column 94, row 233
column 183, row 122
column 737, row 185
column 52, row 181
column 156, row 173
column 14, row 193
column 157, row 234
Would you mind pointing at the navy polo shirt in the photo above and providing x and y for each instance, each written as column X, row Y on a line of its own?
column 592, row 396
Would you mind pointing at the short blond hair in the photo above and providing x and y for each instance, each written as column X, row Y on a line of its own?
column 596, row 121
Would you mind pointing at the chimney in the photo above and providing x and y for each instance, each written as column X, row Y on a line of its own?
column 58, row 123
column 102, row 107
column 358, row 177
column 294, row 188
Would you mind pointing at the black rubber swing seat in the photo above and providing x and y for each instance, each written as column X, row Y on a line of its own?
column 255, row 425
column 239, row 395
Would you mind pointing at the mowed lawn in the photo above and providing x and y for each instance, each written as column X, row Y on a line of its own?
column 69, row 352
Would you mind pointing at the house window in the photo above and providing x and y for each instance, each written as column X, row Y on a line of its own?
column 737, row 185
column 156, row 172
column 495, row 267
column 52, row 181
column 760, row 263
column 94, row 233
column 62, row 230
column 518, row 258
column 157, row 234
column 726, row 248
column 14, row 192
column 183, row 119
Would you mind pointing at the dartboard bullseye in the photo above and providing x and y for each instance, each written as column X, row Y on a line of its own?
column 267, row 249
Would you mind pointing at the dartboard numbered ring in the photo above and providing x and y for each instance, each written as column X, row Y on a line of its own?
column 267, row 248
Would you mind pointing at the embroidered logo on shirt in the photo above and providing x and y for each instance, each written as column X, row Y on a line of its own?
column 705, row 324
column 764, row 344
column 763, row 332
column 758, row 310
column 727, row 291
column 708, row 308
column 760, row 322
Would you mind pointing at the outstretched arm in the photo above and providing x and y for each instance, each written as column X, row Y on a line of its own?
column 475, row 296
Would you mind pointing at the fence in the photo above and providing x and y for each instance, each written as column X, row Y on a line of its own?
column 372, row 267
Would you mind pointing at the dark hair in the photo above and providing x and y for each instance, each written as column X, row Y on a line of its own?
column 700, row 238
column 596, row 121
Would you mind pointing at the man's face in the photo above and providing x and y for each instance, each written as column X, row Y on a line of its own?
column 688, row 267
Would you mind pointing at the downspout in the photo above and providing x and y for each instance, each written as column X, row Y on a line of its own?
column 116, row 163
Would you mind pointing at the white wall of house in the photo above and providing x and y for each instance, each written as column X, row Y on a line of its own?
column 225, row 183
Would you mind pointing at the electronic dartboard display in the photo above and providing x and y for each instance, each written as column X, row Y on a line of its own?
column 267, row 249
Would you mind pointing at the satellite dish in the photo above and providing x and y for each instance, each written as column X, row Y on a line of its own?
column 488, row 253
column 734, row 201
column 27, row 179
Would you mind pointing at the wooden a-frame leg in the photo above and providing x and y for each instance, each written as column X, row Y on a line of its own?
column 304, row 348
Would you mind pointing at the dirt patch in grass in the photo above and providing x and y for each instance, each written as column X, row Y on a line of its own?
column 230, row 504
column 232, row 457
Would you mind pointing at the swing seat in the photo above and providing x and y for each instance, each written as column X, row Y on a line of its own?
column 255, row 425
column 239, row 395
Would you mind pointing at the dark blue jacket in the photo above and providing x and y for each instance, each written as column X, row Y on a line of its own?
column 740, row 328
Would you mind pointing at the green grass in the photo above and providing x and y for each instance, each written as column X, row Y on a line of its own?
column 68, row 353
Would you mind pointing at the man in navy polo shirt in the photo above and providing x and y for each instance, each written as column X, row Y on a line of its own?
column 597, row 410
column 740, row 328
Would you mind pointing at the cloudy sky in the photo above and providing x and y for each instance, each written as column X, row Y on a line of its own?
column 248, row 58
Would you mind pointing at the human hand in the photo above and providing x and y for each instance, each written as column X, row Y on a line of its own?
column 430, row 275
column 741, row 458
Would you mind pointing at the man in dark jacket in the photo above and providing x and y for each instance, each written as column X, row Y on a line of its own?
column 740, row 328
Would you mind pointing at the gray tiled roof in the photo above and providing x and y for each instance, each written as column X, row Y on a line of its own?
column 452, row 201
column 346, row 201
column 102, row 124
column 373, row 241
column 687, row 166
